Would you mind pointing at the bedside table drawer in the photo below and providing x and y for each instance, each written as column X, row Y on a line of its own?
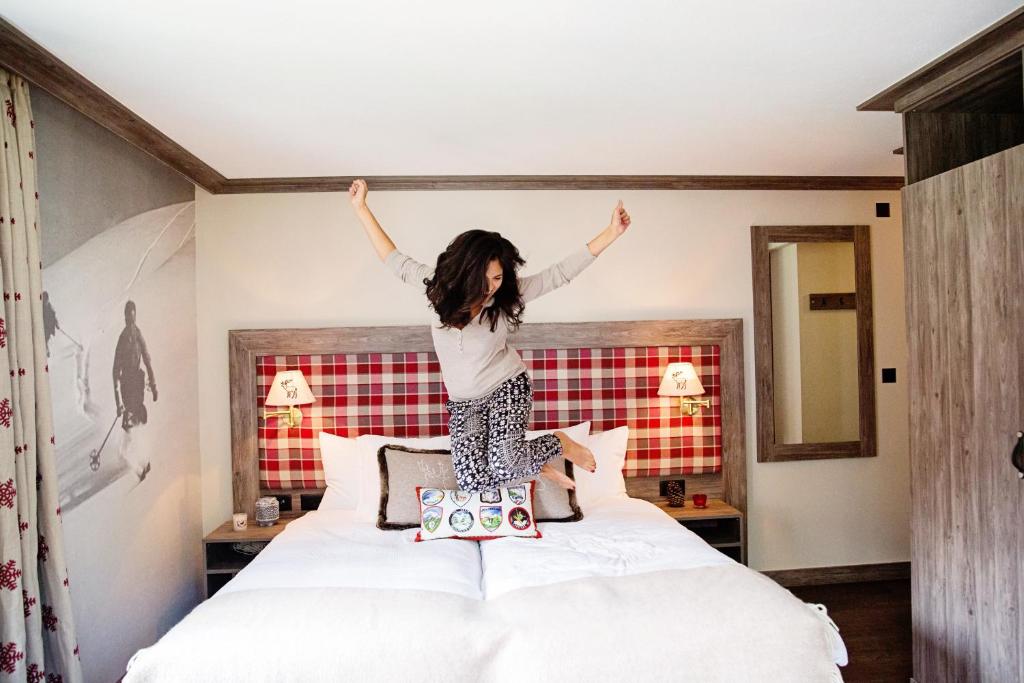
column 224, row 560
column 715, row 531
column 719, row 524
column 724, row 534
column 224, row 557
column 227, row 552
column 214, row 582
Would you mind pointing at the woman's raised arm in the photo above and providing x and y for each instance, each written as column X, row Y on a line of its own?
column 406, row 268
column 559, row 274
column 382, row 244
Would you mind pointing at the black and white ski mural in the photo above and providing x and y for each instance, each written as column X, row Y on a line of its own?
column 118, row 251
column 115, row 316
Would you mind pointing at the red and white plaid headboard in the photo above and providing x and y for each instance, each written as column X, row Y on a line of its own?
column 402, row 395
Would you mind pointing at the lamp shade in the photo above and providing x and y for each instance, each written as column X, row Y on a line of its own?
column 289, row 389
column 680, row 380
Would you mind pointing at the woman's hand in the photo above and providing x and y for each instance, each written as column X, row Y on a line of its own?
column 357, row 193
column 620, row 220
column 382, row 244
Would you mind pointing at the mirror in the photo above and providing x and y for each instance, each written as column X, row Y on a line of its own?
column 813, row 342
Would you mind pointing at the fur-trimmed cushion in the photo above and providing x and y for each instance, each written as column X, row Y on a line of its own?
column 369, row 470
column 447, row 513
column 402, row 469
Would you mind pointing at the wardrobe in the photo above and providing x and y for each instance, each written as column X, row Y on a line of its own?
column 963, row 222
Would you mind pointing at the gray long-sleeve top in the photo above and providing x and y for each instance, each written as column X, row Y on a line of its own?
column 474, row 360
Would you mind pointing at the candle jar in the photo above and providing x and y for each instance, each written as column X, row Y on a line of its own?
column 239, row 521
column 268, row 511
column 700, row 500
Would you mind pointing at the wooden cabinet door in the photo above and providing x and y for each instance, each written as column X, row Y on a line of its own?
column 964, row 253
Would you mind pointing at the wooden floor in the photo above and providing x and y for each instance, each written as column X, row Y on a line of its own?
column 874, row 620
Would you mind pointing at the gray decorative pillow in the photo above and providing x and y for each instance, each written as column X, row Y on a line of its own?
column 552, row 503
column 402, row 469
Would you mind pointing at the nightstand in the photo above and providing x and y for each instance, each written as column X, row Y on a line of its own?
column 221, row 561
column 720, row 524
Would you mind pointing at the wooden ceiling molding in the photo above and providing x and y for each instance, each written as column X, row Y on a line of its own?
column 28, row 59
column 23, row 56
column 566, row 182
column 990, row 51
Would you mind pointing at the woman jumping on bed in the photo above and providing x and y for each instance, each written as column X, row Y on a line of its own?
column 477, row 298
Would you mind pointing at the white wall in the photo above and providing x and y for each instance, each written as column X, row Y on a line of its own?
column 295, row 260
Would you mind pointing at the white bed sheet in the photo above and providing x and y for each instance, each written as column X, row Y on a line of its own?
column 335, row 549
column 617, row 537
column 338, row 577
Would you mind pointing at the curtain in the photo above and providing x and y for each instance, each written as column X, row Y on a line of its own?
column 37, row 633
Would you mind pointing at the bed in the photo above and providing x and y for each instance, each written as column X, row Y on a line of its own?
column 626, row 593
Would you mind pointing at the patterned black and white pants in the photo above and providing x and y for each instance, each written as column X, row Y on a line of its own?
column 489, row 446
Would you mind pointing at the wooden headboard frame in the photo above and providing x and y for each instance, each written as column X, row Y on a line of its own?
column 246, row 345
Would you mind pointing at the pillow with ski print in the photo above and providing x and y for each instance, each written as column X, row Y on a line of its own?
column 448, row 513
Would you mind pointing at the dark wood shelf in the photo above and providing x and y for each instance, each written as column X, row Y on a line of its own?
column 719, row 524
column 221, row 561
column 224, row 570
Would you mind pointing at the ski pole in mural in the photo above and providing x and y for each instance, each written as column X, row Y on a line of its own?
column 94, row 454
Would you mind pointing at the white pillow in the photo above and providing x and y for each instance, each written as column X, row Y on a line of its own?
column 338, row 454
column 369, row 470
column 609, row 449
column 349, row 478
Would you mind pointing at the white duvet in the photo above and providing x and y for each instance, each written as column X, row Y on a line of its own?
column 622, row 537
column 331, row 549
column 625, row 594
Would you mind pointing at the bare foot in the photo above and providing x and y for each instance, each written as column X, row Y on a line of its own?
column 577, row 453
column 560, row 478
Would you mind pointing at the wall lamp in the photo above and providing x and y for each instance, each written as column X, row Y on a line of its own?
column 681, row 380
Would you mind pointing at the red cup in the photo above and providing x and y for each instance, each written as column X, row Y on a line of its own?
column 700, row 500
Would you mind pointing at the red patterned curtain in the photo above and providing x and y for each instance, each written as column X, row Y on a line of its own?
column 37, row 632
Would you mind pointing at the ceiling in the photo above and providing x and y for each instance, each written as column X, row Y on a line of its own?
column 401, row 87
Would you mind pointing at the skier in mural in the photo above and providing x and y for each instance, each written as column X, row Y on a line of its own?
column 50, row 328
column 130, row 381
column 50, row 324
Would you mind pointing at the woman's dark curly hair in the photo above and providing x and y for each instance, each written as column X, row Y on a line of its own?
column 460, row 280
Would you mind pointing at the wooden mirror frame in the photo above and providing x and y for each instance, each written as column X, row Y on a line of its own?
column 767, row 449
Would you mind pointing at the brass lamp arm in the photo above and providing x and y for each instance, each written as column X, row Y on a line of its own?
column 292, row 415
